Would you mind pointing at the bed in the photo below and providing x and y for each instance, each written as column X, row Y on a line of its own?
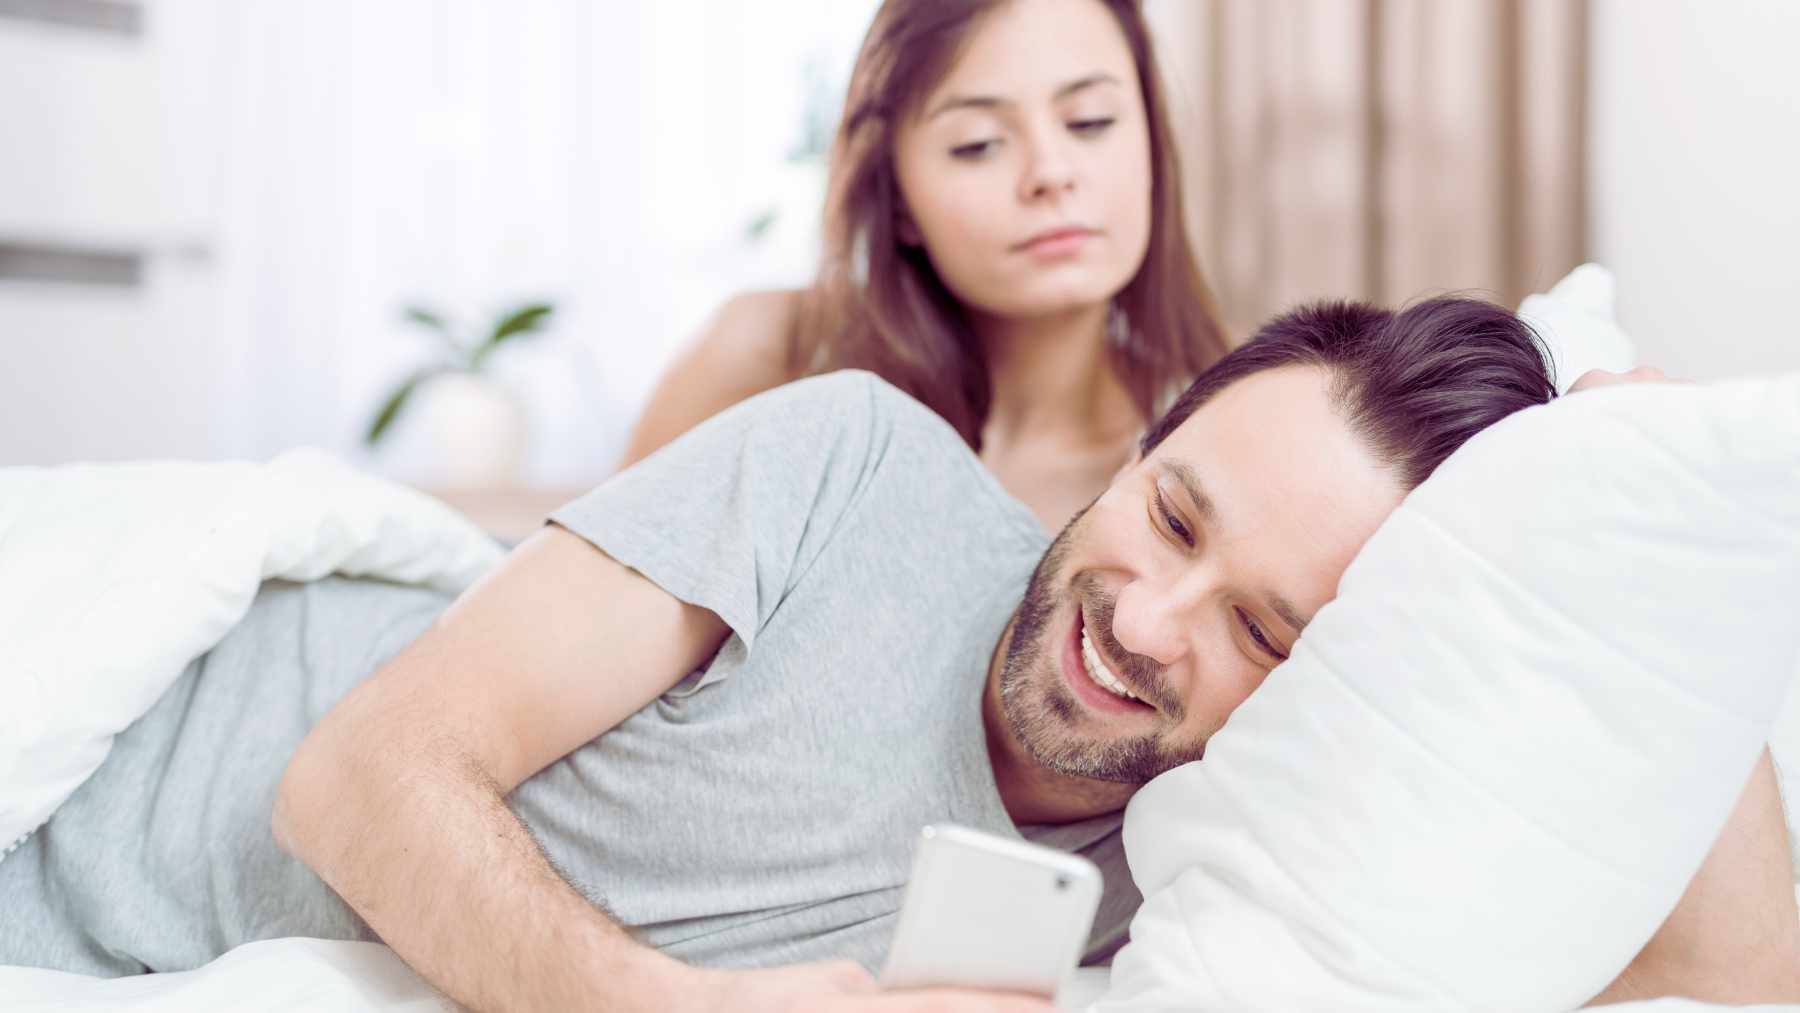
column 202, row 538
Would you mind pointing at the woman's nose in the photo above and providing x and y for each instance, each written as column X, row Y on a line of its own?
column 1050, row 173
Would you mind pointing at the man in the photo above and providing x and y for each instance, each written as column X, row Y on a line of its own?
column 695, row 725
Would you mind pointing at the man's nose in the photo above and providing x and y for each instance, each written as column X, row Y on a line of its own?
column 1153, row 621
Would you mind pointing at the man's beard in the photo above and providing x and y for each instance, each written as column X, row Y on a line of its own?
column 1039, row 709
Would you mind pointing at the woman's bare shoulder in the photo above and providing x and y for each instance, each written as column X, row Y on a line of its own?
column 741, row 351
column 752, row 328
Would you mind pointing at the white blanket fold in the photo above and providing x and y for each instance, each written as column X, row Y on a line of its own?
column 114, row 576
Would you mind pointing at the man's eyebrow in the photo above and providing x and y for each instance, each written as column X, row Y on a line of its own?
column 1288, row 613
column 992, row 101
column 1189, row 479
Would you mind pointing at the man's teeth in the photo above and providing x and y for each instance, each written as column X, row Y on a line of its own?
column 1097, row 671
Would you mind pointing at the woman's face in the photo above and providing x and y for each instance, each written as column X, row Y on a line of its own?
column 1026, row 171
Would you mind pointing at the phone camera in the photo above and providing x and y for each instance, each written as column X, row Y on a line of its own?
column 1062, row 882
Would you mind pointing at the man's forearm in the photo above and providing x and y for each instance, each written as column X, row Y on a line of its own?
column 1734, row 937
column 431, row 856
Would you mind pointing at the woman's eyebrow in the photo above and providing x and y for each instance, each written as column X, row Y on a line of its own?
column 1099, row 77
column 994, row 101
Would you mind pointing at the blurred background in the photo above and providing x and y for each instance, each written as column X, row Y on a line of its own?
column 230, row 227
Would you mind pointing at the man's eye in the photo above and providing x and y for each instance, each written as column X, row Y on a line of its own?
column 1090, row 127
column 973, row 151
column 1257, row 635
column 1179, row 529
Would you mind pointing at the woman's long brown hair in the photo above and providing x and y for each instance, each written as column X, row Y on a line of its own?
column 879, row 305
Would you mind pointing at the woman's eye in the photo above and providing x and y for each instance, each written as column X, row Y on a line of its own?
column 972, row 151
column 1261, row 639
column 1093, row 126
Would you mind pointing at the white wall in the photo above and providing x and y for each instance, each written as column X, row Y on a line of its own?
column 337, row 159
column 92, row 154
column 1694, row 179
column 334, row 159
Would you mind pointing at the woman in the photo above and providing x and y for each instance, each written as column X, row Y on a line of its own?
column 1003, row 241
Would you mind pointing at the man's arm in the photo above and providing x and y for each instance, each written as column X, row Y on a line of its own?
column 397, row 797
column 1734, row 938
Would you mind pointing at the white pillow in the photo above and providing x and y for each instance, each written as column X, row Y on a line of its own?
column 1575, row 319
column 1494, row 762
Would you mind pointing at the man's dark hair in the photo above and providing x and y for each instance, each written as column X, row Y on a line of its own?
column 1414, row 385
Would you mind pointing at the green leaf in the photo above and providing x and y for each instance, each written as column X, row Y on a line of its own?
column 428, row 319
column 421, row 315
column 524, row 320
column 390, row 409
column 759, row 226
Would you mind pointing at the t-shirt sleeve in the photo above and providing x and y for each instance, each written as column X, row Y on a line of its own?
column 730, row 515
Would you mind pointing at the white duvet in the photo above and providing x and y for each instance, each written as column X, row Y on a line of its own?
column 272, row 976
column 113, row 577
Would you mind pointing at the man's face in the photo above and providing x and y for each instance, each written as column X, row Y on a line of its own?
column 1164, row 604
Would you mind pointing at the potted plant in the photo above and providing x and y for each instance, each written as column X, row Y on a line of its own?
column 475, row 423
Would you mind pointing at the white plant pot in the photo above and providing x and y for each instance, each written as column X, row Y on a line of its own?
column 475, row 430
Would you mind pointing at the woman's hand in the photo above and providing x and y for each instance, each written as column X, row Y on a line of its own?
column 1604, row 378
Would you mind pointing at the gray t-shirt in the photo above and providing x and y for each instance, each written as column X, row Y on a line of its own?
column 866, row 563
column 164, row 859
column 763, row 811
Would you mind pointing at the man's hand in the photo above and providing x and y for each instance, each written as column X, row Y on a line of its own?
column 1604, row 378
column 840, row 986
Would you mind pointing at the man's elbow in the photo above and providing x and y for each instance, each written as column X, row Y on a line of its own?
column 314, row 774
column 283, row 821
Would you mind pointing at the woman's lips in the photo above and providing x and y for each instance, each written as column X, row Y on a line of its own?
column 1058, row 242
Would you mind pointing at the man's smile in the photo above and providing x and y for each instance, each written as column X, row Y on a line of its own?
column 1095, row 683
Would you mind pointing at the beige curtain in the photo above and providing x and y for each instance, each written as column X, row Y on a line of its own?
column 1382, row 149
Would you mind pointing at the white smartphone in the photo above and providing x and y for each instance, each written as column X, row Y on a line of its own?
column 986, row 912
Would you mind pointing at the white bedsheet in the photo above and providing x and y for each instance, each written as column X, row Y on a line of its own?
column 306, row 975
column 273, row 976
